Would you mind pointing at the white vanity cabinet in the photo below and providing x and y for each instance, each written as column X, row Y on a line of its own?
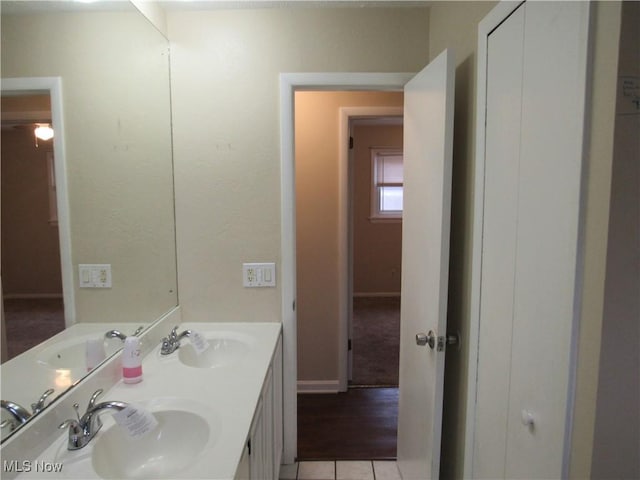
column 263, row 451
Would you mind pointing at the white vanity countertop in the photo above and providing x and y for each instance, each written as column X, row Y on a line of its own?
column 225, row 395
column 38, row 365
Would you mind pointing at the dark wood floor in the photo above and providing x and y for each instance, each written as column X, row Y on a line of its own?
column 360, row 424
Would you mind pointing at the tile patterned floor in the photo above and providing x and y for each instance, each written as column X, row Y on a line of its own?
column 341, row 470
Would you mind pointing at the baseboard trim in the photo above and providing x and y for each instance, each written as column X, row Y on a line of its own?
column 376, row 294
column 318, row 386
column 35, row 296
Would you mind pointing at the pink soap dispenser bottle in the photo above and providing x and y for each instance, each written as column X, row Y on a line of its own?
column 131, row 361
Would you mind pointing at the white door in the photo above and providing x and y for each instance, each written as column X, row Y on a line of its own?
column 428, row 145
column 529, row 279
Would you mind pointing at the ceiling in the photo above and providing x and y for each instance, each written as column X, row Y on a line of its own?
column 15, row 7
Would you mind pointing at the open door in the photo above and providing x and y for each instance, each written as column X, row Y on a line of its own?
column 428, row 147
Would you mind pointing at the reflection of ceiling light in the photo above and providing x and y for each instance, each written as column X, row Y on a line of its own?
column 43, row 131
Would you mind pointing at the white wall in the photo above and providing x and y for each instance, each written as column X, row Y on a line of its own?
column 225, row 66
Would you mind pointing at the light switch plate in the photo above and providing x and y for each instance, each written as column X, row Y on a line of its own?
column 94, row 275
column 259, row 275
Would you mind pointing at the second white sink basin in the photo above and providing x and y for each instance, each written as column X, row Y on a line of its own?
column 71, row 354
column 165, row 452
column 224, row 349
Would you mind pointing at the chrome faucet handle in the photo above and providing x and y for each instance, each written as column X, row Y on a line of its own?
column 171, row 342
column 10, row 424
column 39, row 405
column 92, row 400
column 76, row 407
column 115, row 334
column 82, row 430
column 138, row 330
column 174, row 333
column 91, row 406
column 76, row 434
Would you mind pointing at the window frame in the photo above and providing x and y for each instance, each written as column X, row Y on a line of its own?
column 375, row 214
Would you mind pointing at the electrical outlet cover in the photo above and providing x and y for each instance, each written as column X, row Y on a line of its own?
column 259, row 275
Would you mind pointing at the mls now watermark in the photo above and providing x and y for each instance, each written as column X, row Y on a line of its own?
column 16, row 466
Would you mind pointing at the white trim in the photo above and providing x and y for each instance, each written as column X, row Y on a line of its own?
column 53, row 85
column 584, row 83
column 490, row 22
column 289, row 82
column 318, row 386
column 345, row 247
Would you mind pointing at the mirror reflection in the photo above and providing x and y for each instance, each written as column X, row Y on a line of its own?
column 88, row 231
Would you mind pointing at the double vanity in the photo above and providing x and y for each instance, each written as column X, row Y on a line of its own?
column 210, row 412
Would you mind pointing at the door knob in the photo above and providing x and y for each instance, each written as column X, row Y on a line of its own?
column 428, row 339
column 432, row 340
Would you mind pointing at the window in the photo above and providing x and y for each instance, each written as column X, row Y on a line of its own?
column 387, row 184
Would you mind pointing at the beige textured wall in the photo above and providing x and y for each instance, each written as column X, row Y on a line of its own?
column 454, row 25
column 31, row 252
column 377, row 247
column 316, row 139
column 601, row 102
column 115, row 83
column 225, row 90
column 616, row 449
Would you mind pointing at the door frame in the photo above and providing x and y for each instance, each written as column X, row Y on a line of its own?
column 489, row 23
column 53, row 86
column 345, row 232
column 289, row 84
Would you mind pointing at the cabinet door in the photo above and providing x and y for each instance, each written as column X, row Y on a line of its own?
column 256, row 445
column 268, row 418
column 277, row 409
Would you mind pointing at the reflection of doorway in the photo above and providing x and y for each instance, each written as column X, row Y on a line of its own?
column 325, row 283
column 31, row 276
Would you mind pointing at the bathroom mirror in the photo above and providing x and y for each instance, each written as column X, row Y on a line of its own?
column 111, row 155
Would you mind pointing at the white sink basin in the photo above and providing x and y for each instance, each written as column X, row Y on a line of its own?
column 225, row 348
column 174, row 445
column 71, row 354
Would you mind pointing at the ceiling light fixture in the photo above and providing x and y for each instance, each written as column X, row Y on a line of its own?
column 43, row 131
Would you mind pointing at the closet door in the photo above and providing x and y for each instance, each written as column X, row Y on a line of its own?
column 535, row 93
column 504, row 110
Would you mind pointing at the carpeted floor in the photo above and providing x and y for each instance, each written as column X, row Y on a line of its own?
column 31, row 321
column 376, row 341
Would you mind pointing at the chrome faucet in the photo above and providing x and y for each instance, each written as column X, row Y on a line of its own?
column 172, row 342
column 39, row 405
column 19, row 414
column 82, row 430
column 120, row 335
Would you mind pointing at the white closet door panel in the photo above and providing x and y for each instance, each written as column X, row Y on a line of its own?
column 504, row 90
column 548, row 217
